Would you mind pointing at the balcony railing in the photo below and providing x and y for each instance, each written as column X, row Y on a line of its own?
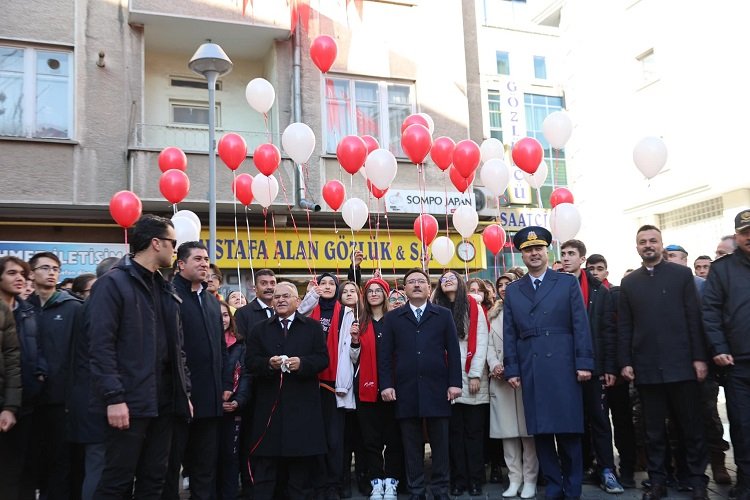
column 191, row 138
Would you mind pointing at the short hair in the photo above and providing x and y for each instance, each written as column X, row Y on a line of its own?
column 416, row 270
column 148, row 227
column 42, row 255
column 81, row 281
column 648, row 227
column 264, row 272
column 577, row 244
column 289, row 285
column 105, row 265
column 731, row 238
column 596, row 258
column 216, row 271
column 25, row 268
column 66, row 281
column 704, row 257
column 184, row 250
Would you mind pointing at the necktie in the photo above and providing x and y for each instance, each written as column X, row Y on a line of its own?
column 269, row 311
column 285, row 325
column 537, row 284
column 418, row 312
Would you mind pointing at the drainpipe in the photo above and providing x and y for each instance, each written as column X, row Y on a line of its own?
column 302, row 202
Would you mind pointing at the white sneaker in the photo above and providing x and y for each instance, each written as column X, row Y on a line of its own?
column 378, row 487
column 185, row 483
column 528, row 491
column 391, row 489
column 512, row 490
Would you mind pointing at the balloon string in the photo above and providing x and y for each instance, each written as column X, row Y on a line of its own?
column 276, row 254
column 249, row 248
column 422, row 183
column 174, row 208
column 539, row 198
column 445, row 188
column 390, row 241
column 126, row 234
column 268, row 131
column 306, row 178
column 236, row 232
column 294, row 224
column 555, row 159
column 377, row 240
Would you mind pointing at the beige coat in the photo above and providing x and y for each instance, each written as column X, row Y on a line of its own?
column 507, row 419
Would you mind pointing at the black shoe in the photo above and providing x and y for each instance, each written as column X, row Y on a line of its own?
column 475, row 490
column 655, row 492
column 495, row 475
column 363, row 485
column 626, row 479
column 700, row 494
column 417, row 497
column 457, row 491
column 345, row 491
column 681, row 486
column 590, row 476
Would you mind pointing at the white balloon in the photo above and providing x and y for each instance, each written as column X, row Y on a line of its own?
column 650, row 156
column 380, row 168
column 495, row 176
column 557, row 129
column 260, row 94
column 265, row 189
column 565, row 221
column 188, row 215
column 430, row 122
column 355, row 213
column 491, row 148
column 185, row 230
column 298, row 141
column 465, row 220
column 443, row 249
column 536, row 180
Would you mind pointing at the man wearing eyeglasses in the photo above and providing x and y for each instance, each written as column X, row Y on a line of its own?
column 138, row 367
column 420, row 346
column 58, row 318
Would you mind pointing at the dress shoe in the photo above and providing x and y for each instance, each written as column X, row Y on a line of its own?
column 512, row 490
column 417, row 497
column 496, row 475
column 700, row 493
column 655, row 492
column 475, row 490
column 529, row 490
column 457, row 491
column 627, row 480
column 719, row 469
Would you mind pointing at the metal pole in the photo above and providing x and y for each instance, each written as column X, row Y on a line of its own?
column 212, row 76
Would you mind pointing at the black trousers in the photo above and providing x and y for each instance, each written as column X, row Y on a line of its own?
column 299, row 470
column 196, row 444
column 330, row 465
column 412, row 436
column 380, row 429
column 227, row 481
column 711, row 420
column 466, row 429
column 737, row 391
column 140, row 452
column 681, row 398
column 621, row 407
column 53, row 456
column 596, row 422
column 353, row 445
column 561, row 463
column 13, row 449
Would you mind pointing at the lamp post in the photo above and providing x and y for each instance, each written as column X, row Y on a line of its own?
column 211, row 61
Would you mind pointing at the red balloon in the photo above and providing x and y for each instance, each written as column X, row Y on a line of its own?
column 494, row 238
column 232, row 150
column 334, row 193
column 172, row 158
column 560, row 195
column 416, row 141
column 426, row 228
column 323, row 52
column 352, row 153
column 411, row 120
column 527, row 154
column 442, row 152
column 266, row 158
column 377, row 193
column 371, row 143
column 466, row 157
column 462, row 183
column 174, row 185
column 125, row 208
column 242, row 187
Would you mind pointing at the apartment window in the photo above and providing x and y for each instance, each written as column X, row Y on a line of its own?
column 537, row 109
column 647, row 61
column 503, row 62
column 36, row 93
column 496, row 124
column 192, row 83
column 540, row 68
column 691, row 214
column 192, row 113
column 366, row 107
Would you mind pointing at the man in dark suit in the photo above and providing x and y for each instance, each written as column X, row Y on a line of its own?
column 285, row 353
column 419, row 367
column 548, row 349
column 662, row 349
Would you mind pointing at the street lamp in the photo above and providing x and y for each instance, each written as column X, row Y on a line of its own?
column 211, row 61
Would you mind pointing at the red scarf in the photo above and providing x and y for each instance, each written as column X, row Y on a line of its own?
column 368, row 365
column 584, row 280
column 473, row 320
column 332, row 342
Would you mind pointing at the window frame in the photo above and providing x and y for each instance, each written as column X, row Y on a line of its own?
column 550, row 155
column 543, row 60
column 497, row 61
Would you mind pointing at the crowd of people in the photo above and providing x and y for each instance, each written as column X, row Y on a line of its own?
column 133, row 383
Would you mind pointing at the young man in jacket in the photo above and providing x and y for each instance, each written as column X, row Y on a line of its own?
column 10, row 399
column 140, row 377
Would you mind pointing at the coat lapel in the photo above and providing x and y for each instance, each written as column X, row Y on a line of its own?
column 405, row 311
column 429, row 312
column 527, row 288
column 550, row 280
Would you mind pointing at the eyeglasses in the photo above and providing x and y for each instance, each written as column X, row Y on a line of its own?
column 375, row 291
column 416, row 282
column 46, row 269
column 285, row 296
column 214, row 277
column 448, row 279
column 174, row 242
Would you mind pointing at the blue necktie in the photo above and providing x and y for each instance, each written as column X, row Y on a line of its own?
column 537, row 284
column 418, row 312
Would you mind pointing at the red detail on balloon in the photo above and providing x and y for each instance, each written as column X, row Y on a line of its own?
column 442, row 152
column 334, row 194
column 242, row 187
column 377, row 193
column 172, row 158
column 426, row 228
column 466, row 157
column 232, row 150
column 527, row 154
column 416, row 142
column 560, row 195
column 125, row 208
column 494, row 238
column 352, row 153
column 174, row 185
column 371, row 143
column 462, row 183
column 411, row 120
column 323, row 52
column 266, row 158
